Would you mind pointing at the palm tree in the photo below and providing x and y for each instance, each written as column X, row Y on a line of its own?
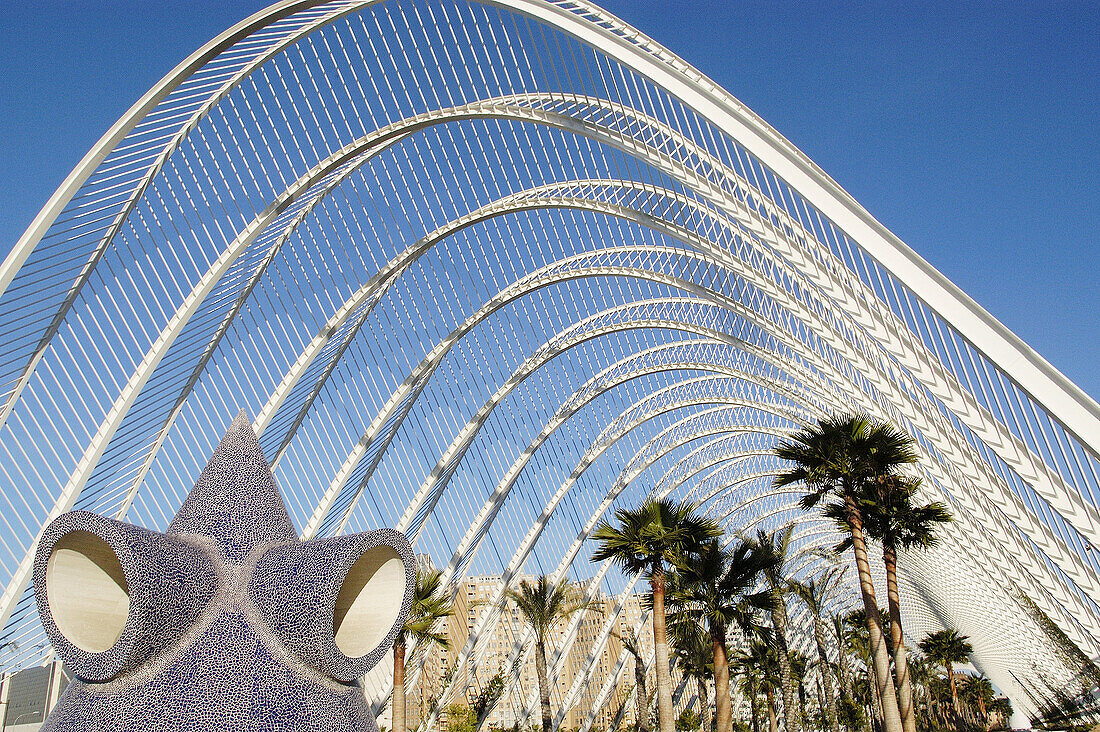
column 815, row 593
column 842, row 657
column 838, row 456
column 715, row 589
column 858, row 641
column 758, row 667
column 775, row 548
column 543, row 605
column 978, row 691
column 800, row 666
column 947, row 647
column 920, row 672
column 1002, row 707
column 647, row 539
column 695, row 657
column 890, row 516
column 641, row 698
column 428, row 608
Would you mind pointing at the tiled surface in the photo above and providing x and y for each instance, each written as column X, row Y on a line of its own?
column 230, row 624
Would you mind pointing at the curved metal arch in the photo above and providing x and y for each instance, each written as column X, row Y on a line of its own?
column 407, row 391
column 703, row 485
column 749, row 500
column 148, row 102
column 510, row 107
column 500, row 207
column 1004, row 534
column 1044, row 536
column 1059, row 555
column 338, row 164
column 604, row 442
column 1073, row 407
column 1047, row 539
column 452, row 456
column 693, row 240
column 682, row 82
column 652, row 61
column 1062, row 554
column 330, row 166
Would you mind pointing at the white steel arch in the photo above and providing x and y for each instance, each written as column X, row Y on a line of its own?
column 442, row 248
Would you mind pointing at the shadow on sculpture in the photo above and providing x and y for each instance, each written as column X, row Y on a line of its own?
column 227, row 621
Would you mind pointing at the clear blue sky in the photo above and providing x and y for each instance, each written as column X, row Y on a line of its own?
column 972, row 131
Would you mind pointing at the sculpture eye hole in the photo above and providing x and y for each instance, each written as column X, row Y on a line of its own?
column 86, row 591
column 369, row 601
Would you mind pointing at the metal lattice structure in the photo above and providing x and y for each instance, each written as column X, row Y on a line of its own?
column 483, row 272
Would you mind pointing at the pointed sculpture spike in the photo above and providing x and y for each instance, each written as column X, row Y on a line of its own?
column 236, row 500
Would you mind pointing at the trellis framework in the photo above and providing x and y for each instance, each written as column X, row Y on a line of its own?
column 485, row 272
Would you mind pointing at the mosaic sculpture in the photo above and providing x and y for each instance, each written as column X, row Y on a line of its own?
column 227, row 621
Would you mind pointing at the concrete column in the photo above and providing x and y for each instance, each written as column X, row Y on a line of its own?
column 4, row 683
column 57, row 684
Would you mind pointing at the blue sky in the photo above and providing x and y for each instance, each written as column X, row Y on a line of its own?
column 971, row 130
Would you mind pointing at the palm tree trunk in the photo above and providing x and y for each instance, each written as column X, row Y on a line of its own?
column 779, row 622
column 398, row 702
column 800, row 699
column 665, row 720
column 901, row 665
column 641, row 698
column 723, row 715
column 706, row 722
column 773, row 722
column 876, row 710
column 826, row 677
column 842, row 662
column 954, row 691
column 884, row 681
column 754, row 708
column 544, row 689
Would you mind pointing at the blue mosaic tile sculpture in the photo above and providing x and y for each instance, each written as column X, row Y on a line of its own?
column 227, row 621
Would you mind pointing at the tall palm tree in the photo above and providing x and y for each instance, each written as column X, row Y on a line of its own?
column 837, row 457
column 428, row 608
column 775, row 549
column 858, row 641
column 978, row 691
column 890, row 516
column 641, row 698
column 1002, row 707
column 758, row 667
column 947, row 647
column 842, row 657
column 543, row 606
column 647, row 540
column 815, row 593
column 920, row 672
column 800, row 666
column 695, row 657
column 714, row 589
